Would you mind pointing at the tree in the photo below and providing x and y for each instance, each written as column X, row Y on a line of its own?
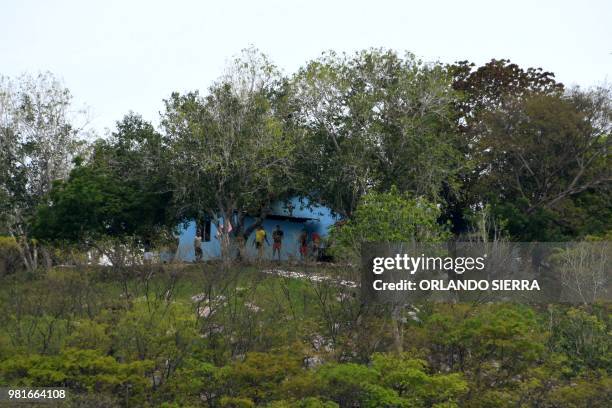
column 83, row 371
column 582, row 271
column 373, row 120
column 229, row 152
column 539, row 152
column 489, row 87
column 120, row 193
column 481, row 91
column 582, row 335
column 390, row 380
column 37, row 144
column 388, row 217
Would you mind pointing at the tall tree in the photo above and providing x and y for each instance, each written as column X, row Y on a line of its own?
column 120, row 192
column 37, row 144
column 540, row 152
column 230, row 154
column 488, row 87
column 373, row 120
column 482, row 90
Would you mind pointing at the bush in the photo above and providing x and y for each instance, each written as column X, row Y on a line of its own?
column 387, row 217
column 10, row 258
column 90, row 335
column 80, row 370
column 237, row 402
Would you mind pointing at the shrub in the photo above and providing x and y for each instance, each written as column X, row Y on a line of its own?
column 81, row 370
column 10, row 258
column 387, row 217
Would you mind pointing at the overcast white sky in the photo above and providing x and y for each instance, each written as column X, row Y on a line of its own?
column 121, row 55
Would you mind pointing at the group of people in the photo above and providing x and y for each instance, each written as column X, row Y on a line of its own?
column 306, row 241
column 278, row 234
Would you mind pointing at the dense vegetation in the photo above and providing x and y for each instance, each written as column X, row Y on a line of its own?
column 401, row 149
column 200, row 336
column 498, row 138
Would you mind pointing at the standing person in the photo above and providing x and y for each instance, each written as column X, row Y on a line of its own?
column 303, row 240
column 241, row 254
column 197, row 246
column 316, row 244
column 260, row 237
column 277, row 238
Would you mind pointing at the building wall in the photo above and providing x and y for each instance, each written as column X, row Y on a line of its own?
column 321, row 220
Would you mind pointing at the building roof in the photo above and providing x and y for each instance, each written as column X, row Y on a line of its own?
column 290, row 218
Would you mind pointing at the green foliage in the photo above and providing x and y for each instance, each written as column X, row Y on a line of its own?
column 487, row 87
column 37, row 144
column 392, row 380
column 90, row 335
column 379, row 138
column 157, row 331
column 90, row 204
column 584, row 337
column 388, row 217
column 236, row 402
column 10, row 258
column 347, row 384
column 540, row 152
column 257, row 378
column 152, row 346
column 548, row 157
column 408, row 377
column 119, row 193
column 590, row 391
column 507, row 335
column 341, row 128
column 230, row 151
column 372, row 120
column 81, row 370
column 309, row 402
column 223, row 141
column 539, row 225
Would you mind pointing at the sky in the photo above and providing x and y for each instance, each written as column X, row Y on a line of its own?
column 128, row 55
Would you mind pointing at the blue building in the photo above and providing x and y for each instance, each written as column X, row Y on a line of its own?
column 292, row 216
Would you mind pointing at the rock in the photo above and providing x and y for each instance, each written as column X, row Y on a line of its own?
column 205, row 311
column 198, row 298
column 312, row 362
column 252, row 307
column 317, row 342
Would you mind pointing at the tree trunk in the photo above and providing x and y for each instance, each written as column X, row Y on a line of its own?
column 225, row 239
column 48, row 261
column 398, row 338
column 28, row 253
column 258, row 221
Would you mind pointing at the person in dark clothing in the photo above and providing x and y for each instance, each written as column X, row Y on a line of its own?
column 316, row 244
column 277, row 238
column 197, row 246
column 303, row 240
